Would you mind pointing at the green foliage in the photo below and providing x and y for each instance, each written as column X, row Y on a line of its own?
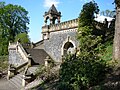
column 88, row 68
column 87, row 13
column 105, row 51
column 117, row 3
column 13, row 20
column 82, row 71
column 40, row 70
column 46, row 72
column 4, row 46
column 87, row 40
column 3, row 63
column 24, row 38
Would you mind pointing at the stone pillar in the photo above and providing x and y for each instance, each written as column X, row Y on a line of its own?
column 58, row 19
column 45, row 21
column 51, row 21
column 29, row 59
column 47, row 60
column 9, row 43
column 8, row 75
column 23, row 82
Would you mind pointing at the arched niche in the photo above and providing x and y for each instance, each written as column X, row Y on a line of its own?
column 68, row 47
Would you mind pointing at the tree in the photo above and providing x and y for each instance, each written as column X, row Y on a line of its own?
column 87, row 13
column 13, row 20
column 87, row 68
column 24, row 38
column 108, row 13
column 116, row 45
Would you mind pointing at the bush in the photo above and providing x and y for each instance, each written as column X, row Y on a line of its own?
column 3, row 63
column 82, row 71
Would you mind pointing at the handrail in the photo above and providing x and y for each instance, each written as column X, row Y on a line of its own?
column 22, row 51
column 20, row 66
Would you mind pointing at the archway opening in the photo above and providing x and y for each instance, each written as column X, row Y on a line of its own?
column 68, row 48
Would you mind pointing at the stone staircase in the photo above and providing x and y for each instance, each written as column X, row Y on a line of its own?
column 34, row 83
column 19, row 60
column 16, row 82
column 33, row 69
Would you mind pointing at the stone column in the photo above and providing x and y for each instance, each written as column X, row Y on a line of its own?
column 47, row 64
column 23, row 82
column 58, row 19
column 8, row 75
column 47, row 60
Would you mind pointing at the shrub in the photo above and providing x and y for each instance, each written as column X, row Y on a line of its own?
column 82, row 71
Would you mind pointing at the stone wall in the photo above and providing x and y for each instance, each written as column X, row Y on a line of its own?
column 17, row 54
column 61, row 26
column 54, row 45
column 15, row 58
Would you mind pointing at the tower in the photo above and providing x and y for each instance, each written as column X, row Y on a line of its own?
column 52, row 15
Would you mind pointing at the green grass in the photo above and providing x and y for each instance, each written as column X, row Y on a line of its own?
column 107, row 54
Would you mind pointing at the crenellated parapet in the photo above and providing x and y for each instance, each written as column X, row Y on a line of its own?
column 61, row 26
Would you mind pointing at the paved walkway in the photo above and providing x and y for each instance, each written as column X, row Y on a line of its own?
column 4, row 85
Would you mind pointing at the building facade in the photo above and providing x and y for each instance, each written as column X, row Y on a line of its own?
column 58, row 38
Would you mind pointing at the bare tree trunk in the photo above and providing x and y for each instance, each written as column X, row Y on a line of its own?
column 116, row 45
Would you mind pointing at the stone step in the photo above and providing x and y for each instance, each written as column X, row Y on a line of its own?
column 19, row 76
column 33, row 84
column 11, row 86
column 16, row 81
column 32, row 69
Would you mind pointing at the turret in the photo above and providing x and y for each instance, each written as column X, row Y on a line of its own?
column 52, row 15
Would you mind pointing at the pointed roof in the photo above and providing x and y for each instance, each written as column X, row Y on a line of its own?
column 52, row 10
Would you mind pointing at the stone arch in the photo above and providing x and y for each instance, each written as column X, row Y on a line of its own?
column 68, row 46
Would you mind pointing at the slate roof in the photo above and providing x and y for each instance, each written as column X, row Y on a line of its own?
column 37, row 55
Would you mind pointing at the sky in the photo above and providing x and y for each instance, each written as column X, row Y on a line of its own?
column 70, row 9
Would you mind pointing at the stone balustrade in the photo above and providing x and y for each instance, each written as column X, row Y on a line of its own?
column 22, row 52
column 61, row 26
column 17, row 57
column 12, row 45
column 18, row 47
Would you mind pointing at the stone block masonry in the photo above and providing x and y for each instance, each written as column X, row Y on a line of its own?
column 55, row 44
